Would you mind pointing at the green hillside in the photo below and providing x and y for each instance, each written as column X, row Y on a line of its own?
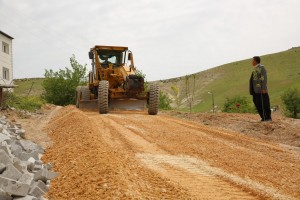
column 224, row 81
column 232, row 79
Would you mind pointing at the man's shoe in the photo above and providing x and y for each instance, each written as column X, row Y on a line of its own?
column 266, row 120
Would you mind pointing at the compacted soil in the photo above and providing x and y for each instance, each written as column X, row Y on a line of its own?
column 132, row 155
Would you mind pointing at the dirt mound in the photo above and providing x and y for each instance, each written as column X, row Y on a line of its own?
column 90, row 169
column 281, row 130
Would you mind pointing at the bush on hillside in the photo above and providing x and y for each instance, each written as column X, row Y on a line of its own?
column 238, row 104
column 291, row 100
column 164, row 101
column 176, row 94
column 29, row 103
column 60, row 86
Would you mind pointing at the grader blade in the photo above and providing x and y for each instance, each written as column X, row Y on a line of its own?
column 89, row 105
column 127, row 104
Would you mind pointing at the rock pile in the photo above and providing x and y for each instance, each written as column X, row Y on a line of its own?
column 23, row 176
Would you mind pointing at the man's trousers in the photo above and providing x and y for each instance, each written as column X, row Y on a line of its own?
column 262, row 104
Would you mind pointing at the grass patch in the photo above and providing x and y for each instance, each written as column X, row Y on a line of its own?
column 30, row 103
column 29, row 87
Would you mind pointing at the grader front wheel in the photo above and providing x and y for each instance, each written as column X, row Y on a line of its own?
column 153, row 99
column 103, row 97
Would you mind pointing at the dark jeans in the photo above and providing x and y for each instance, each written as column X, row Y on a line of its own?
column 262, row 104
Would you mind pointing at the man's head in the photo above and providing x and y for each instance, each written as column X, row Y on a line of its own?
column 255, row 60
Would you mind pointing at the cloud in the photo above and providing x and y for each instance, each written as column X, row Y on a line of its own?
column 168, row 38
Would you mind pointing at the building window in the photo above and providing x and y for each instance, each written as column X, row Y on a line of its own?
column 5, row 73
column 5, row 47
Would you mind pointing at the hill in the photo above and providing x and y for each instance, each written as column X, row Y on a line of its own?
column 224, row 81
column 232, row 79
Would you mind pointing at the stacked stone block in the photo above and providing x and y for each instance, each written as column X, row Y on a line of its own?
column 23, row 176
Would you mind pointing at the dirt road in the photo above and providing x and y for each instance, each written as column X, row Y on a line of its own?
column 131, row 155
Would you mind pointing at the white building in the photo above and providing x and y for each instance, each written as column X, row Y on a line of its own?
column 6, row 64
column 6, row 59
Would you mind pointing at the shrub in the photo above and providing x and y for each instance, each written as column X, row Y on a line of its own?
column 30, row 103
column 164, row 101
column 140, row 74
column 291, row 101
column 60, row 86
column 238, row 104
column 176, row 94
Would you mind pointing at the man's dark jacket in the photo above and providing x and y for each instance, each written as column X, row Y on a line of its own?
column 258, row 80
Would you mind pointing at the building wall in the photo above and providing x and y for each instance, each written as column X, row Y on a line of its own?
column 6, row 60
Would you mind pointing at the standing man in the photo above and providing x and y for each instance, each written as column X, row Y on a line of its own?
column 259, row 90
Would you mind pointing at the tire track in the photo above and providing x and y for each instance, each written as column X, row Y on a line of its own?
column 91, row 168
column 263, row 168
column 204, row 181
column 196, row 181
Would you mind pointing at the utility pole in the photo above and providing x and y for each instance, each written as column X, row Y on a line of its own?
column 213, row 101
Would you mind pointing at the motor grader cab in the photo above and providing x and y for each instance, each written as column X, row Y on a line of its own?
column 114, row 83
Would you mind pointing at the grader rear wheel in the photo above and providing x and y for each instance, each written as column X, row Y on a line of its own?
column 153, row 99
column 103, row 97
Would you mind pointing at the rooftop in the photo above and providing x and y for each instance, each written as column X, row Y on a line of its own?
column 6, row 35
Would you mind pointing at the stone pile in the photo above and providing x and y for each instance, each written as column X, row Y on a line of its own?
column 23, row 176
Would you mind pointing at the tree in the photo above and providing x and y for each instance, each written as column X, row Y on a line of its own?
column 291, row 100
column 164, row 101
column 60, row 86
column 176, row 92
column 190, row 91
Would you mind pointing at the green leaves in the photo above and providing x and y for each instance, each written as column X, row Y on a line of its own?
column 176, row 94
column 60, row 86
column 140, row 74
column 237, row 104
column 164, row 101
column 291, row 101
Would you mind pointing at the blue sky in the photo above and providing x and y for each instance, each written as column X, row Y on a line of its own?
column 169, row 38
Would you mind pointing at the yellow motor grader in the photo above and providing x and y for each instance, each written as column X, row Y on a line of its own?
column 114, row 83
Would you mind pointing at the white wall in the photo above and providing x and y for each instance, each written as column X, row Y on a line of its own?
column 6, row 60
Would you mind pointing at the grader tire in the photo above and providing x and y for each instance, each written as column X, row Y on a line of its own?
column 153, row 99
column 85, row 93
column 103, row 97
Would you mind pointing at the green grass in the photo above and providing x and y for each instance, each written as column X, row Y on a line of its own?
column 24, row 86
column 30, row 103
column 27, row 95
column 232, row 79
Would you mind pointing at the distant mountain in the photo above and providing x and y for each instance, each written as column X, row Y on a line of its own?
column 232, row 79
